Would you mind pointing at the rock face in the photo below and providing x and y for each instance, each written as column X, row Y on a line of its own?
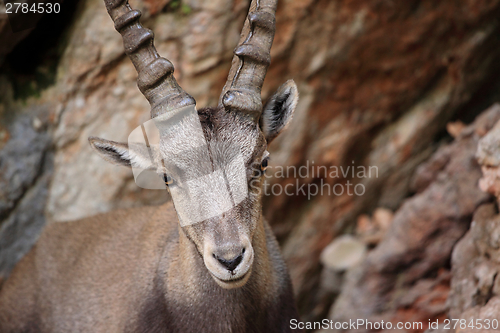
column 406, row 277
column 488, row 155
column 475, row 283
column 368, row 98
column 25, row 173
column 379, row 80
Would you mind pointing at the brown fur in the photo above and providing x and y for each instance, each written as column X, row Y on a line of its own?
column 135, row 271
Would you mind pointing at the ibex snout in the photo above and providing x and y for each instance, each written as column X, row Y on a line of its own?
column 228, row 259
column 230, row 263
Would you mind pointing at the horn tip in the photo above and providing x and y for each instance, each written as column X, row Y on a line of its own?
column 112, row 4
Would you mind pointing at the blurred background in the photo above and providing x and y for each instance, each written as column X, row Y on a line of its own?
column 407, row 86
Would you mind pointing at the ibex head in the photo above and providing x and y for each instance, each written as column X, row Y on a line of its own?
column 226, row 241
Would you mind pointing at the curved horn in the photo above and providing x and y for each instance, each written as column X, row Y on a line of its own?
column 155, row 80
column 252, row 58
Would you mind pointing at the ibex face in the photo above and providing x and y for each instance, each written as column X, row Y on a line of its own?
column 238, row 124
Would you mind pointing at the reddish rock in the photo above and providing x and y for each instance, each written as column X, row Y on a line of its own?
column 475, row 294
column 405, row 278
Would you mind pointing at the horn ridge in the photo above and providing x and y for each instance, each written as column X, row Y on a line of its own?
column 252, row 57
column 155, row 74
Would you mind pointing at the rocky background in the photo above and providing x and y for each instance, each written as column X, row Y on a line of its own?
column 399, row 85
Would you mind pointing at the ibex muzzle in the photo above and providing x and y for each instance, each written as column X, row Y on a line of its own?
column 143, row 270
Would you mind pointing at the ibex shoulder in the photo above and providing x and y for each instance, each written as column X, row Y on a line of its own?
column 121, row 233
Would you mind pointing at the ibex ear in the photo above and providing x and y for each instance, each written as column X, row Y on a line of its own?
column 120, row 153
column 278, row 110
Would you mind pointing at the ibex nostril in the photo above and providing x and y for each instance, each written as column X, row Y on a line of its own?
column 230, row 264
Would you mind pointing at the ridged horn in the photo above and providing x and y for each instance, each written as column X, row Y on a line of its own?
column 155, row 74
column 252, row 57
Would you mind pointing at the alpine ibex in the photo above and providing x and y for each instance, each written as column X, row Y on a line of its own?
column 139, row 270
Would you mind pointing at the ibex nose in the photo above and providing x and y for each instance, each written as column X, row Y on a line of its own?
column 231, row 263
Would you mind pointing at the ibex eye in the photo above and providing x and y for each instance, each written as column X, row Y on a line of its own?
column 263, row 165
column 168, row 180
